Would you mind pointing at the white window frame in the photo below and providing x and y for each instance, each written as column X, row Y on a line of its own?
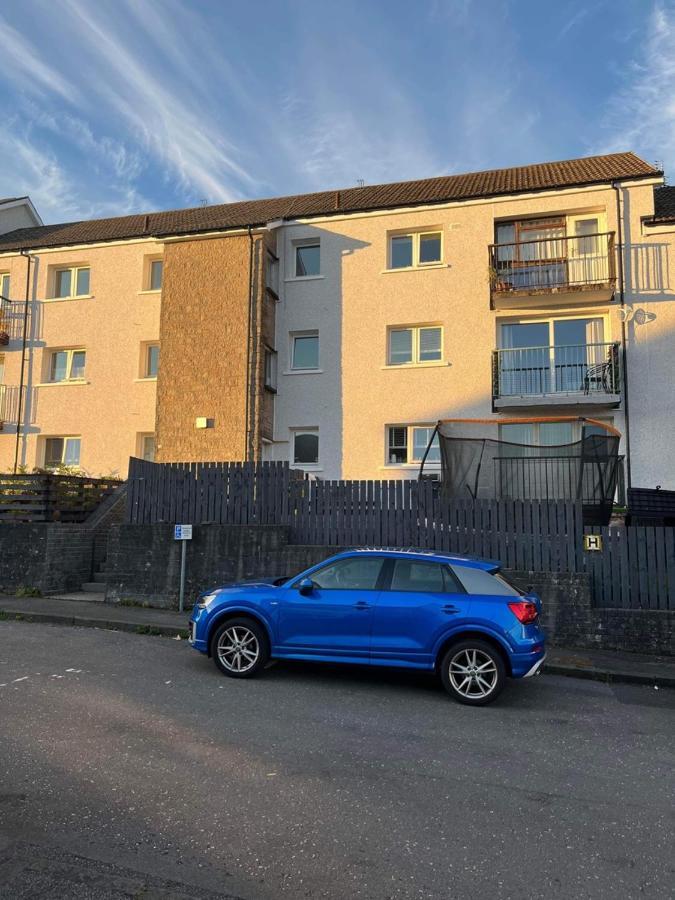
column 416, row 239
column 65, row 438
column 536, row 436
column 145, row 360
column 294, row 335
column 73, row 282
column 415, row 362
column 551, row 319
column 148, row 277
column 5, row 277
column 142, row 438
column 410, row 462
column 295, row 432
column 304, row 242
column 270, row 363
column 69, row 365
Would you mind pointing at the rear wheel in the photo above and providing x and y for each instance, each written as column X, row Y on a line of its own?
column 473, row 672
column 240, row 648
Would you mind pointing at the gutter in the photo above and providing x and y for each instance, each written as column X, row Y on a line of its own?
column 248, row 345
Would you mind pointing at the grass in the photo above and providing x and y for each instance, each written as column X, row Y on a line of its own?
column 25, row 591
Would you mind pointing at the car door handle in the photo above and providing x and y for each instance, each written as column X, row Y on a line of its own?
column 362, row 605
column 449, row 608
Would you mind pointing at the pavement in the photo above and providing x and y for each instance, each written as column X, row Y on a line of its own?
column 597, row 665
column 130, row 767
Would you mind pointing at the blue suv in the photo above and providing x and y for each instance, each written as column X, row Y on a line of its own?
column 409, row 609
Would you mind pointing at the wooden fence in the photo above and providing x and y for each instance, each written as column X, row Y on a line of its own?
column 51, row 498
column 635, row 568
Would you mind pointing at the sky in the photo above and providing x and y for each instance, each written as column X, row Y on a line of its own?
column 118, row 106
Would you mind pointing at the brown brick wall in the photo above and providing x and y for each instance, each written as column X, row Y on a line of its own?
column 203, row 350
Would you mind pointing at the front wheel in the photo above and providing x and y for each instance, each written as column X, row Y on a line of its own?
column 240, row 648
column 473, row 672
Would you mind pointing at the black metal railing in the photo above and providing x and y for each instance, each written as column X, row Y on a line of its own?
column 553, row 263
column 590, row 479
column 541, row 371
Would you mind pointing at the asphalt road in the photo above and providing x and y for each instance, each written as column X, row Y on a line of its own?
column 129, row 767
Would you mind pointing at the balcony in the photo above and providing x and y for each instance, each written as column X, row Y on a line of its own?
column 576, row 375
column 553, row 270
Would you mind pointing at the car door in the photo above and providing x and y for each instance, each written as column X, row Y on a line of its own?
column 420, row 601
column 333, row 620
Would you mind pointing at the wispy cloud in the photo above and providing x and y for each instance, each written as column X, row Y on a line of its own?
column 21, row 63
column 641, row 115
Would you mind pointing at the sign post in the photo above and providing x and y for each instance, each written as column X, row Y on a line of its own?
column 182, row 533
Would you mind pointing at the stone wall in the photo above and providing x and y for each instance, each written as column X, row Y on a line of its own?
column 143, row 561
column 49, row 557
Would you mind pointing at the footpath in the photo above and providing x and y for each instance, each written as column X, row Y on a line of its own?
column 88, row 611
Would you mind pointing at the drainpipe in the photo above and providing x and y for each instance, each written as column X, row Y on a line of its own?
column 24, row 341
column 248, row 342
column 624, row 354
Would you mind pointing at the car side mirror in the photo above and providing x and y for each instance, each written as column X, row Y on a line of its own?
column 306, row 586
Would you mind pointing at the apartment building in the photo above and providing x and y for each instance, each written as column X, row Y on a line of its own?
column 332, row 330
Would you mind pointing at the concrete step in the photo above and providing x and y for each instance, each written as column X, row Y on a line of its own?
column 94, row 587
column 101, row 577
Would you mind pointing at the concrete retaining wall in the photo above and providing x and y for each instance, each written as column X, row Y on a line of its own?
column 48, row 557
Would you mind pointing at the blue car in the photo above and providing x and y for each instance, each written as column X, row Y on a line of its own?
column 409, row 609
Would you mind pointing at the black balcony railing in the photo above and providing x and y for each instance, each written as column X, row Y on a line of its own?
column 542, row 371
column 554, row 263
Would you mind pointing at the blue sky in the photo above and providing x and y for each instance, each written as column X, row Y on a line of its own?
column 116, row 106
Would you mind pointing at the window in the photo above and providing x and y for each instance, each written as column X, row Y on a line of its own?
column 305, row 351
column 417, row 576
column 272, row 272
column 148, row 447
column 4, row 285
column 543, row 434
column 306, row 447
column 156, row 272
column 353, row 574
column 270, row 369
column 407, row 251
column 67, row 365
column 62, row 451
column 73, row 282
column 415, row 345
column 407, row 444
column 2, row 368
column 307, row 258
column 151, row 361
column 478, row 581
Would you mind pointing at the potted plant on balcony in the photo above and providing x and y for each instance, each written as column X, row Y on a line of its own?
column 497, row 280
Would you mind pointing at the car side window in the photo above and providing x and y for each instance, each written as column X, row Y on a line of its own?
column 478, row 581
column 410, row 575
column 352, row 574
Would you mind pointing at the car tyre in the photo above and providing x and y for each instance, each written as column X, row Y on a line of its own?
column 473, row 672
column 240, row 647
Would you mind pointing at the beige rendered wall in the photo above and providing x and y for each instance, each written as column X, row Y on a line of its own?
column 114, row 404
column 371, row 299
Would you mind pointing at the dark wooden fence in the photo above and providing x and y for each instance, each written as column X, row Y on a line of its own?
column 51, row 498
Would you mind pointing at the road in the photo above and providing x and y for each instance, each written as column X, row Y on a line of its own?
column 129, row 767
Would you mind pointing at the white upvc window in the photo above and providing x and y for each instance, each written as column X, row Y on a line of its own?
column 305, row 447
column 270, row 369
column 149, row 360
column 66, row 365
column 305, row 351
column 4, row 285
column 414, row 345
column 71, row 282
column 415, row 250
column 307, row 258
column 155, row 274
column 62, row 451
column 147, row 447
column 407, row 444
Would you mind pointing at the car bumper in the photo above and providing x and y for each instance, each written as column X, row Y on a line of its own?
column 536, row 668
column 198, row 629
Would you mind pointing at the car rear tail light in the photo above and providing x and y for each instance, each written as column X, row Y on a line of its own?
column 525, row 611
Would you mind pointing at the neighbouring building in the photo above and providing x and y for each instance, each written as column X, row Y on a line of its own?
column 332, row 330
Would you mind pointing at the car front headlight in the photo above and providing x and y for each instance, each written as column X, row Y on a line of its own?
column 206, row 601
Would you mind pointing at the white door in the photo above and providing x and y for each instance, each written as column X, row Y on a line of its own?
column 587, row 249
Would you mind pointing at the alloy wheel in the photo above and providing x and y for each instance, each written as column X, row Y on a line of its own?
column 238, row 649
column 473, row 673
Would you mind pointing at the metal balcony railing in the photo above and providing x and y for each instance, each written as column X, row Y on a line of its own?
column 554, row 263
column 540, row 371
